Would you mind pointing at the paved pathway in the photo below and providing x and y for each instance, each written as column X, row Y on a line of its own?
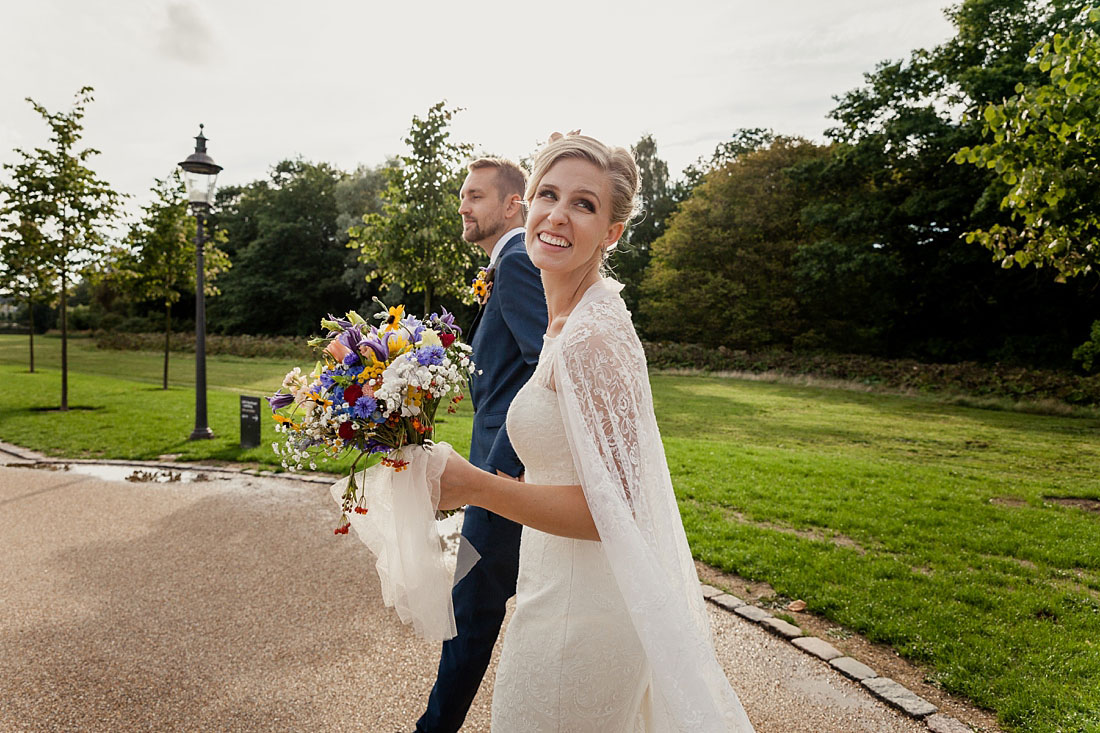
column 229, row 605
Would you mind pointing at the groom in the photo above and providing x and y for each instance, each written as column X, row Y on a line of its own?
column 506, row 337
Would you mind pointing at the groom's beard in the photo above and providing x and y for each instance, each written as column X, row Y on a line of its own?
column 479, row 234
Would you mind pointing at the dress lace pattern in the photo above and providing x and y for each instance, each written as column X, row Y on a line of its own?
column 571, row 660
column 609, row 635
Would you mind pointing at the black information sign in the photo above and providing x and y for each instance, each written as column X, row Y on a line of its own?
column 250, row 422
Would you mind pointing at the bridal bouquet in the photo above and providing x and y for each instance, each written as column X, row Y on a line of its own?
column 376, row 392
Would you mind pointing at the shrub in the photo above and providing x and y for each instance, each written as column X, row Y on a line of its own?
column 1088, row 353
column 971, row 378
column 277, row 347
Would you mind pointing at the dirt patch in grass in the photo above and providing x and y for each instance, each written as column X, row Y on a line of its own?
column 877, row 656
column 838, row 539
column 1079, row 502
column 1008, row 501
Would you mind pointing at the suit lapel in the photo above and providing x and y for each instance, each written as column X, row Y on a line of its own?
column 473, row 326
column 481, row 309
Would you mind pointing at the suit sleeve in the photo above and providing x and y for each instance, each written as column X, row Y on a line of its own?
column 523, row 305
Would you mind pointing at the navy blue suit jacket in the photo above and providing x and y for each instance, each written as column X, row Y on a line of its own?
column 507, row 339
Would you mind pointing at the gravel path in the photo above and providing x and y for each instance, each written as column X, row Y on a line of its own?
column 229, row 605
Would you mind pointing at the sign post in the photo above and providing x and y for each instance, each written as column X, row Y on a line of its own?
column 250, row 422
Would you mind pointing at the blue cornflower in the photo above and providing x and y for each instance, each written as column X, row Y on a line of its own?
column 426, row 355
column 364, row 407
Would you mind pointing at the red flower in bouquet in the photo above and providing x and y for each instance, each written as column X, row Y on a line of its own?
column 352, row 395
column 447, row 339
column 346, row 431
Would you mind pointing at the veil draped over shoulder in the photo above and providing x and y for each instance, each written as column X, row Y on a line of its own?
column 599, row 373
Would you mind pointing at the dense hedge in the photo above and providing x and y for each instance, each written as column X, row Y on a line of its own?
column 969, row 378
column 987, row 380
column 279, row 347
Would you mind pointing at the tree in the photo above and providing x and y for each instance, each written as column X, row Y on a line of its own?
column 1042, row 142
column 886, row 268
column 742, row 141
column 158, row 260
column 721, row 273
column 76, row 207
column 358, row 194
column 630, row 259
column 288, row 262
column 25, row 272
column 416, row 242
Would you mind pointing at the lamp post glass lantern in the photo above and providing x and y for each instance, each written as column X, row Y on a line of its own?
column 199, row 174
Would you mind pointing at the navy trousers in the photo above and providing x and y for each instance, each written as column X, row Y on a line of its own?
column 479, row 604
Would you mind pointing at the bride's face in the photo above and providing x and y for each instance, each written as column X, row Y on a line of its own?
column 569, row 223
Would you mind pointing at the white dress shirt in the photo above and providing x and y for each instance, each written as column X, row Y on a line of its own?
column 500, row 244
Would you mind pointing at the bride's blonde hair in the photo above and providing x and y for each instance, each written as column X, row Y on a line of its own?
column 616, row 162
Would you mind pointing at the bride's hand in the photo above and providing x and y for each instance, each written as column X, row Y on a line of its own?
column 455, row 483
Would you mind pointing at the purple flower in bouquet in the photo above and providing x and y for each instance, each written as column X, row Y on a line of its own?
column 414, row 326
column 350, row 339
column 279, row 400
column 393, row 340
column 447, row 319
column 377, row 345
column 341, row 322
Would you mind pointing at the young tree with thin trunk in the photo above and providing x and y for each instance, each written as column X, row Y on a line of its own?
column 416, row 242
column 157, row 262
column 25, row 273
column 80, row 207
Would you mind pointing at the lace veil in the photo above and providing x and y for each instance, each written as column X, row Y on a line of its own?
column 599, row 373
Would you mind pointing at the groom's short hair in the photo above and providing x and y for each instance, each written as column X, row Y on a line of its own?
column 510, row 179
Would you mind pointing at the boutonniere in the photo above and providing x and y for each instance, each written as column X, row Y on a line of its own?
column 482, row 285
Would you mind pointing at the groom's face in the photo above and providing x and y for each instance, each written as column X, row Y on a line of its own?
column 482, row 209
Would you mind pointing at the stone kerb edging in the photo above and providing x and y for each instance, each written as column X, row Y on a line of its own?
column 883, row 688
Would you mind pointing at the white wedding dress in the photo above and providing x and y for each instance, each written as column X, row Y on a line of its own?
column 571, row 660
column 607, row 636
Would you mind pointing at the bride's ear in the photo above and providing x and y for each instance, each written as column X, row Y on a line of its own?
column 613, row 235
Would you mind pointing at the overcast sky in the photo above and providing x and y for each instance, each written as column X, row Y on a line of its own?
column 339, row 80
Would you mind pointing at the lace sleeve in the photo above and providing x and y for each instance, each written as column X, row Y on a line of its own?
column 600, row 375
column 602, row 367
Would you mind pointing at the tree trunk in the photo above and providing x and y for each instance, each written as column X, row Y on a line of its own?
column 427, row 302
column 167, row 339
column 30, row 313
column 64, row 342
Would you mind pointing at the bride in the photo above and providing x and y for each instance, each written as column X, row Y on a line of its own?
column 609, row 631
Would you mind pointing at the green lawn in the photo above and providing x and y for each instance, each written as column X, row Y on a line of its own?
column 110, row 392
column 926, row 526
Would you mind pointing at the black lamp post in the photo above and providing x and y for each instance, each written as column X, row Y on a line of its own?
column 199, row 173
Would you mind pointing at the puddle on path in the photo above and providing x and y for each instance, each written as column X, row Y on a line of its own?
column 136, row 474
